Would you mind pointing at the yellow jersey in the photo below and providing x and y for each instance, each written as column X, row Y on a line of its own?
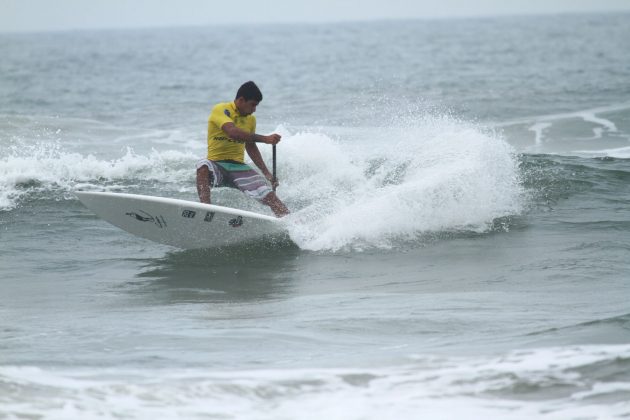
column 220, row 145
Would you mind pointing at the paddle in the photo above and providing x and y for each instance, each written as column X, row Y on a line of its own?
column 273, row 175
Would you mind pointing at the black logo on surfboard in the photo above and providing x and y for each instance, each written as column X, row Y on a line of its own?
column 189, row 214
column 238, row 221
column 143, row 216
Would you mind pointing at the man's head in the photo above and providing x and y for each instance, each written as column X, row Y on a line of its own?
column 248, row 97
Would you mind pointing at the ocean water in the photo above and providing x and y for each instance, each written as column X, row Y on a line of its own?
column 458, row 245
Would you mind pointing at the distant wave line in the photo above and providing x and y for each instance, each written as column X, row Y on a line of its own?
column 589, row 115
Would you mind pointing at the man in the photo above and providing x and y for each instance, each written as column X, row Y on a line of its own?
column 231, row 131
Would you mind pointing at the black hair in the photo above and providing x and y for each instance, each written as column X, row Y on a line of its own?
column 249, row 91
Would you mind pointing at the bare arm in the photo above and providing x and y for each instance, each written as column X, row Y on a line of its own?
column 254, row 154
column 249, row 138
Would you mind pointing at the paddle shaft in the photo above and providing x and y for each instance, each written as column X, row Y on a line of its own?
column 273, row 173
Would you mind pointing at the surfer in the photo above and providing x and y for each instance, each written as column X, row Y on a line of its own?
column 231, row 132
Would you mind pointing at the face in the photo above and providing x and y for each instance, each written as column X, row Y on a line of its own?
column 246, row 107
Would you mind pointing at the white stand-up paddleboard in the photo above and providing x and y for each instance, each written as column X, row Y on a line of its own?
column 180, row 223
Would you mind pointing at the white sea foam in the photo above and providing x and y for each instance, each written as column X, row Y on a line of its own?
column 551, row 383
column 601, row 125
column 605, row 123
column 47, row 166
column 431, row 174
column 539, row 129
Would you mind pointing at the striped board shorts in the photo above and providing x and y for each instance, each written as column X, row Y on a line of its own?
column 231, row 174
